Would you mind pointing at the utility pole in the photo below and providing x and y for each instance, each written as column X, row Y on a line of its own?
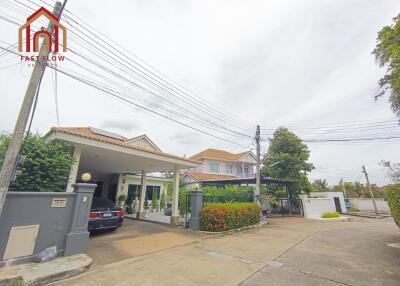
column 258, row 175
column 370, row 189
column 23, row 117
column 344, row 189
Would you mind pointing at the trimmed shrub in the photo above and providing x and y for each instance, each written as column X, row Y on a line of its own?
column 330, row 215
column 226, row 216
column 393, row 197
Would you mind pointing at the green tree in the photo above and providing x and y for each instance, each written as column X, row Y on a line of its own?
column 293, row 155
column 320, row 185
column 387, row 54
column 392, row 170
column 46, row 165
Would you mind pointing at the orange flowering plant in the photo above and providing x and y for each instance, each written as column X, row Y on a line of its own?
column 226, row 216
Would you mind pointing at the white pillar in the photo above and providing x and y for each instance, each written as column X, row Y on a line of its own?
column 175, row 197
column 140, row 213
column 74, row 168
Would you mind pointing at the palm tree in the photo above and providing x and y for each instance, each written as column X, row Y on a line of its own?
column 321, row 185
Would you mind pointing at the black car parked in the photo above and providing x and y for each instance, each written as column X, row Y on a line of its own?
column 104, row 215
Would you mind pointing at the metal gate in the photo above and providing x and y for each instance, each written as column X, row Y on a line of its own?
column 286, row 207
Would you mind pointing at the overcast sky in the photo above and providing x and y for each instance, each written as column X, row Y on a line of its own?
column 273, row 63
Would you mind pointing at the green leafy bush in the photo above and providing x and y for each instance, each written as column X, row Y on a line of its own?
column 154, row 201
column 226, row 216
column 162, row 201
column 330, row 215
column 228, row 190
column 393, row 197
column 46, row 166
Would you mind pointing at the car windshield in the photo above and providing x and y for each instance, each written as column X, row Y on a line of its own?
column 102, row 203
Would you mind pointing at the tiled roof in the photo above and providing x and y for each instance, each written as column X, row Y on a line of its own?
column 205, row 177
column 87, row 133
column 220, row 154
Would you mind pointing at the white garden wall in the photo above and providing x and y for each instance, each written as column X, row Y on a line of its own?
column 315, row 207
column 367, row 205
column 331, row 195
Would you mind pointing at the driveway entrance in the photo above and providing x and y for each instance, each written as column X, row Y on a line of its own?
column 135, row 238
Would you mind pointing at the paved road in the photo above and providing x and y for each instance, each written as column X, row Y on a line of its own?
column 289, row 251
column 357, row 255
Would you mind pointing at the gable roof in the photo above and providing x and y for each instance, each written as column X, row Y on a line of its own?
column 86, row 132
column 205, row 177
column 139, row 140
column 221, row 154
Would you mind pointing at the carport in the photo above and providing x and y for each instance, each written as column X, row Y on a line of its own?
column 110, row 158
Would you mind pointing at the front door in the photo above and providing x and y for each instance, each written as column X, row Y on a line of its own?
column 112, row 192
column 99, row 189
column 337, row 204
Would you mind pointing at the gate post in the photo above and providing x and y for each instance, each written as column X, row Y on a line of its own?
column 77, row 239
column 196, row 203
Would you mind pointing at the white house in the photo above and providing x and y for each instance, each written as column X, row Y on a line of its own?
column 220, row 166
column 118, row 164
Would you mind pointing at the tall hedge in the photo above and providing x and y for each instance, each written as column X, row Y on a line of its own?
column 226, row 216
column 393, row 198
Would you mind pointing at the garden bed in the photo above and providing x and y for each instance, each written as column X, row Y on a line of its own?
column 221, row 217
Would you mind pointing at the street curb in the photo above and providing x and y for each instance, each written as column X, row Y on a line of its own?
column 34, row 274
column 231, row 231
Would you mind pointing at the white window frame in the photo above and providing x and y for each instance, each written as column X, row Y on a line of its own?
column 229, row 168
column 211, row 167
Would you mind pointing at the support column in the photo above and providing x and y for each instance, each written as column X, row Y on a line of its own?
column 74, row 168
column 175, row 197
column 140, row 213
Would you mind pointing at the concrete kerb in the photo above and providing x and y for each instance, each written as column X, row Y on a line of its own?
column 236, row 230
column 33, row 274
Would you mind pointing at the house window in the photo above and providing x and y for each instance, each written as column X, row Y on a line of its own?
column 134, row 191
column 246, row 171
column 214, row 167
column 150, row 190
column 229, row 169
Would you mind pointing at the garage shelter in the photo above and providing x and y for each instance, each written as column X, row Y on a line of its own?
column 118, row 164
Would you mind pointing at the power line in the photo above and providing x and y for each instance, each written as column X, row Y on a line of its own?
column 148, row 74
column 143, row 107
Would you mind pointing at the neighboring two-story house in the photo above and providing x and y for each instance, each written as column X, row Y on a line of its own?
column 219, row 166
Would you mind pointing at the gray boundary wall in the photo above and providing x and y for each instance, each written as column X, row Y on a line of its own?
column 63, row 224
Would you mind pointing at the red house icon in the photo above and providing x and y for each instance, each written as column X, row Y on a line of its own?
column 42, row 33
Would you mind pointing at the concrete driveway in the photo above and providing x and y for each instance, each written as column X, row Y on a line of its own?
column 135, row 238
column 289, row 251
column 353, row 255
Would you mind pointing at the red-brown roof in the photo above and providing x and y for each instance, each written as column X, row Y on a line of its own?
column 87, row 133
column 205, row 177
column 220, row 154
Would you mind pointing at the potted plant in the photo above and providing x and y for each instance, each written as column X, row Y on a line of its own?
column 121, row 200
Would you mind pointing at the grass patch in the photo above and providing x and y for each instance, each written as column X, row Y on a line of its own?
column 353, row 209
column 330, row 215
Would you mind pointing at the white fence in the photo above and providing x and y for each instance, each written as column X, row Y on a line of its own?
column 367, row 204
